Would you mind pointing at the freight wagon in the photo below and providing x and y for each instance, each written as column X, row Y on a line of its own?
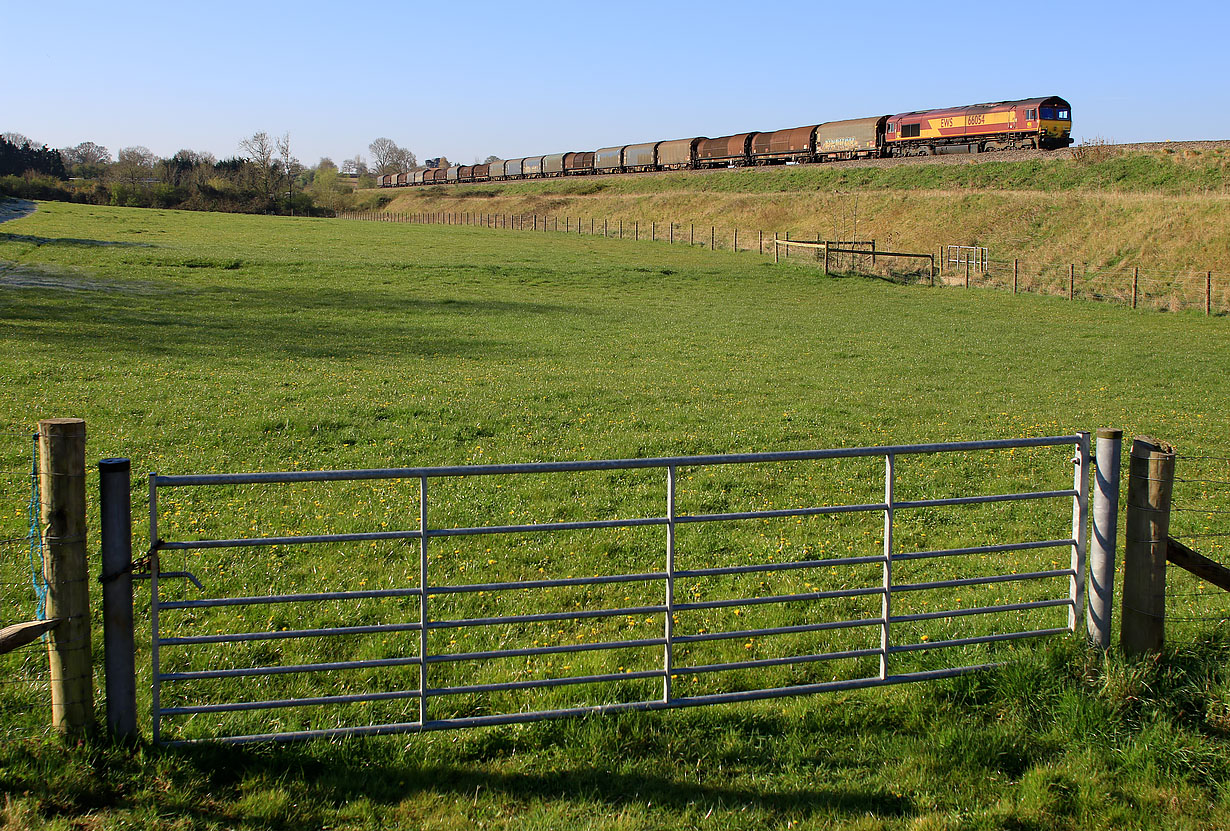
column 1044, row 123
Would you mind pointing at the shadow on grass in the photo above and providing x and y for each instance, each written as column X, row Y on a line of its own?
column 71, row 242
column 239, row 321
column 335, row 783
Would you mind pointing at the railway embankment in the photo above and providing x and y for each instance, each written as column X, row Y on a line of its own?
column 1157, row 206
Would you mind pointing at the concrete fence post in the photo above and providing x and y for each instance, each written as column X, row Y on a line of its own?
column 115, row 507
column 1105, row 529
column 1150, row 479
column 62, row 483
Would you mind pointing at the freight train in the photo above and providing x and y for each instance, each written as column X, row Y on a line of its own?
column 1044, row 123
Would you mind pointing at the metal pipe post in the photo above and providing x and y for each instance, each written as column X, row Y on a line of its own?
column 1105, row 531
column 668, row 657
column 115, row 504
column 886, row 604
column 155, row 707
column 1080, row 532
column 424, row 587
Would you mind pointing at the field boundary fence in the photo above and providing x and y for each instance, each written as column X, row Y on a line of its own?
column 1062, row 589
column 1178, row 290
column 1178, row 514
column 952, row 265
column 23, row 650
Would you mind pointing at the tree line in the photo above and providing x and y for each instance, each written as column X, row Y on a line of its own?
column 264, row 176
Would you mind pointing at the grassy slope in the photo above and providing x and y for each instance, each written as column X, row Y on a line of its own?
column 1158, row 210
column 205, row 342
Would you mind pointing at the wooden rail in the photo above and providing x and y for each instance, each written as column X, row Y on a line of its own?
column 1207, row 570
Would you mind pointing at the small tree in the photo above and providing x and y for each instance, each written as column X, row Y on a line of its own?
column 290, row 167
column 135, row 165
column 260, row 152
column 389, row 158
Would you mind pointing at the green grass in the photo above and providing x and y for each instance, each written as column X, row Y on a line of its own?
column 197, row 342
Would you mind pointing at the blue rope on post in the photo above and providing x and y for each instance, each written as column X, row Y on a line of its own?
column 37, row 577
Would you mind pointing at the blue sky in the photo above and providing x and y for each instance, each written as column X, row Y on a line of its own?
column 471, row 79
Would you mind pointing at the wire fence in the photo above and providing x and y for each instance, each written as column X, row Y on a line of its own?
column 1150, row 288
column 1178, row 290
column 24, row 671
column 1200, row 519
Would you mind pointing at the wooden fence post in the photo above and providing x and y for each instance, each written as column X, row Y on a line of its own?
column 1208, row 293
column 1071, row 280
column 692, row 234
column 760, row 242
column 735, row 244
column 672, row 234
column 712, row 236
column 1150, row 479
column 653, row 231
column 775, row 246
column 1016, row 271
column 967, row 272
column 62, row 483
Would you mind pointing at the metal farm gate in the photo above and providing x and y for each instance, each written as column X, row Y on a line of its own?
column 685, row 581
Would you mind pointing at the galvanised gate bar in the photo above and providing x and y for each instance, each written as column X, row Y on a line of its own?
column 429, row 593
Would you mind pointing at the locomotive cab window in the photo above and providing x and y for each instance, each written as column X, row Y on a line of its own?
column 1031, row 115
column 1064, row 114
column 1048, row 113
column 910, row 130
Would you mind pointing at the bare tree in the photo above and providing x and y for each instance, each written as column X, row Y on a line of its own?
column 135, row 164
column 260, row 151
column 18, row 140
column 354, row 167
column 291, row 167
column 491, row 159
column 389, row 158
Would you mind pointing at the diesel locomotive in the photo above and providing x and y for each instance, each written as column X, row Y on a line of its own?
column 1044, row 123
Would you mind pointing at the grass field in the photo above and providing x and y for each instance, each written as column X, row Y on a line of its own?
column 198, row 342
